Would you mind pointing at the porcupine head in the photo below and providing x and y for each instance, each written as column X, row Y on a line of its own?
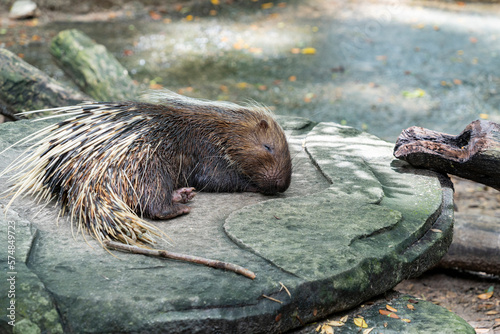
column 113, row 163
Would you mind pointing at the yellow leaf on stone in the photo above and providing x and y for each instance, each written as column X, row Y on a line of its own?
column 360, row 322
column 215, row 2
column 308, row 51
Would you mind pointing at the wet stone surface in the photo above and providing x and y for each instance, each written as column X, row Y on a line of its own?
column 354, row 223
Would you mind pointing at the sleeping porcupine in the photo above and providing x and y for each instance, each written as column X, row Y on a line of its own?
column 113, row 162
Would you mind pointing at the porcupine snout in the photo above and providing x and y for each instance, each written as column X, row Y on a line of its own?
column 274, row 182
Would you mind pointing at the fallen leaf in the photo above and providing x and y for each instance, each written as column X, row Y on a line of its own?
column 335, row 323
column 457, row 81
column 390, row 308
column 473, row 40
column 154, row 85
column 292, row 78
column 344, row 318
column 242, row 85
column 389, row 314
column 487, row 295
column 308, row 51
column 308, row 98
column 435, row 230
column 368, row 331
column 414, row 94
column 484, row 116
column 325, row 329
column 189, row 17
column 360, row 322
column 267, row 5
column 411, row 307
column 154, row 15
column 295, row 51
column 491, row 312
column 215, row 2
column 406, row 320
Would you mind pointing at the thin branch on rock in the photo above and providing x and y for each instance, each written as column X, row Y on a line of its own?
column 181, row 257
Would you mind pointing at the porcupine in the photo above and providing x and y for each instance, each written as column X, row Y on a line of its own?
column 111, row 164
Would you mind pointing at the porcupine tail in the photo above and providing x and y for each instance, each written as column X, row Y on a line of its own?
column 88, row 170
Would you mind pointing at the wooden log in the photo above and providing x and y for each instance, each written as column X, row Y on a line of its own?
column 476, row 244
column 92, row 67
column 24, row 87
column 474, row 154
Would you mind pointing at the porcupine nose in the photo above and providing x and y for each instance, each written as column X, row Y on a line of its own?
column 277, row 184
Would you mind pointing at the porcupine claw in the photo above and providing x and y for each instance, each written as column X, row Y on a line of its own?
column 183, row 195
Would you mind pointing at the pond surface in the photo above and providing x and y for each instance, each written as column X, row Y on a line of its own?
column 378, row 66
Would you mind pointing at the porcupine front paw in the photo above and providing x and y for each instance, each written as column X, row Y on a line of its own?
column 174, row 211
column 183, row 195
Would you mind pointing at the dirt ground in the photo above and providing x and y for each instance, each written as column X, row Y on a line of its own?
column 456, row 290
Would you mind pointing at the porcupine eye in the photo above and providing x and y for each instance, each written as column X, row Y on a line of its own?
column 268, row 148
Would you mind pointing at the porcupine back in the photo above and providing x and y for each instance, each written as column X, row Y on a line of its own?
column 113, row 163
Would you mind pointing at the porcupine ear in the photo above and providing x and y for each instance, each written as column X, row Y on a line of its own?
column 263, row 124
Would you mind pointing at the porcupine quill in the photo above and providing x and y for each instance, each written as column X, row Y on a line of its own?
column 111, row 164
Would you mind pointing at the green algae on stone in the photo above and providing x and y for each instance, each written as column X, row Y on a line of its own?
column 34, row 310
column 424, row 317
column 95, row 70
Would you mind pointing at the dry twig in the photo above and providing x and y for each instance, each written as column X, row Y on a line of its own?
column 181, row 257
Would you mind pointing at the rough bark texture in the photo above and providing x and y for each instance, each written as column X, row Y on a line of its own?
column 92, row 67
column 474, row 154
column 24, row 87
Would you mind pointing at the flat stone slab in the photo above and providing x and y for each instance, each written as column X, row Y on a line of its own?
column 354, row 223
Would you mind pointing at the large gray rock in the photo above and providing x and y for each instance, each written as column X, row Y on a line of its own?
column 354, row 223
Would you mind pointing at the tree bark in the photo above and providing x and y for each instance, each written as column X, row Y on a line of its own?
column 92, row 67
column 474, row 154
